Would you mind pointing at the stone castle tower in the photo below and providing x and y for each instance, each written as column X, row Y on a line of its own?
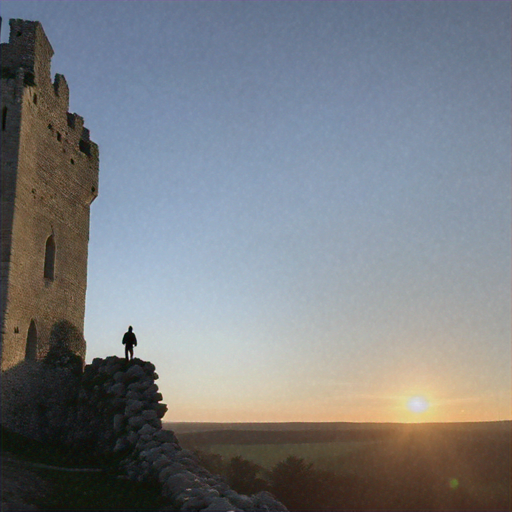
column 49, row 178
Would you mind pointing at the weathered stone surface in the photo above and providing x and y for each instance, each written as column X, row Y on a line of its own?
column 132, row 437
column 118, row 389
column 150, row 414
column 147, row 443
column 194, row 504
column 149, row 368
column 170, row 448
column 160, row 409
column 121, row 444
column 135, row 371
column 150, row 454
column 136, row 422
column 133, row 407
column 220, row 505
column 133, row 395
column 239, row 500
column 178, row 482
column 147, row 430
column 118, row 422
column 171, row 469
column 138, row 387
column 160, row 462
column 150, row 391
column 265, row 501
column 120, row 377
column 45, row 205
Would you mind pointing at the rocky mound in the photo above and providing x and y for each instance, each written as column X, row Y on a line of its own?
column 120, row 410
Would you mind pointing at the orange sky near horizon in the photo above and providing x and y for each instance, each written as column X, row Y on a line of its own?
column 357, row 409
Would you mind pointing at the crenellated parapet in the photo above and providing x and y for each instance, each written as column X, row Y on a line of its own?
column 26, row 77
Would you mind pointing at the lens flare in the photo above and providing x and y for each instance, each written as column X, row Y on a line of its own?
column 454, row 483
column 417, row 404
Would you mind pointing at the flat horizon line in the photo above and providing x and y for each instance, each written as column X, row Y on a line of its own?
column 333, row 422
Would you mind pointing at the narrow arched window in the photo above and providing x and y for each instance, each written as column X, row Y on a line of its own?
column 31, row 348
column 49, row 259
column 4, row 118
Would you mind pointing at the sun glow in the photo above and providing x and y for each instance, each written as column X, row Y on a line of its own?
column 417, row 407
column 418, row 404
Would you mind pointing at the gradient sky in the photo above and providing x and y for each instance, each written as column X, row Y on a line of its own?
column 305, row 207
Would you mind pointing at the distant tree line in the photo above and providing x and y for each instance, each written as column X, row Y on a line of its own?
column 301, row 487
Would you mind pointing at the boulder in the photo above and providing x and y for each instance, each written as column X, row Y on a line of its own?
column 118, row 389
column 150, row 391
column 121, row 444
column 172, row 468
column 160, row 409
column 149, row 414
column 132, row 394
column 220, row 505
column 147, row 430
column 178, row 482
column 240, row 500
column 118, row 422
column 193, row 504
column 135, row 372
column 265, row 501
column 133, row 407
column 160, row 462
column 149, row 368
column 120, row 377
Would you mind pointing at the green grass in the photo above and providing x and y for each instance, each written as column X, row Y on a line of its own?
column 328, row 456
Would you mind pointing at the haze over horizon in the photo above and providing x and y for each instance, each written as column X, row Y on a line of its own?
column 304, row 207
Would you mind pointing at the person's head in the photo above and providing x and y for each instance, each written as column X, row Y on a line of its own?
column 130, row 328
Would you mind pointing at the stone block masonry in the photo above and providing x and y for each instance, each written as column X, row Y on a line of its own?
column 49, row 178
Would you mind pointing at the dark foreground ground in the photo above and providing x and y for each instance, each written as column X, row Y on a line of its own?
column 324, row 467
column 40, row 477
column 347, row 466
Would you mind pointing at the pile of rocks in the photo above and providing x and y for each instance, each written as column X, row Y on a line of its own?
column 119, row 404
column 119, row 412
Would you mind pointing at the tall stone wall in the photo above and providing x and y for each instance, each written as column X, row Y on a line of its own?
column 49, row 178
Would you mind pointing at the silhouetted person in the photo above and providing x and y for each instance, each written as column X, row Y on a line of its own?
column 129, row 341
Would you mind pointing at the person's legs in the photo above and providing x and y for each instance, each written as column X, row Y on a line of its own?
column 131, row 352
column 126, row 349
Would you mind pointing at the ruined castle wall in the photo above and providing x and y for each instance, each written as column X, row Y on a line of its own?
column 113, row 410
column 50, row 172
column 119, row 412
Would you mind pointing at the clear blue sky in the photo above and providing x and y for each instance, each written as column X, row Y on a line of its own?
column 304, row 207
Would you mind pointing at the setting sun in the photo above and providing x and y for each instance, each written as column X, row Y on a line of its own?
column 418, row 404
column 417, row 407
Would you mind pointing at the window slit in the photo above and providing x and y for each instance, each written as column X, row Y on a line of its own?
column 49, row 259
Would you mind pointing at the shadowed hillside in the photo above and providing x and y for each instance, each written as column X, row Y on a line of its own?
column 459, row 466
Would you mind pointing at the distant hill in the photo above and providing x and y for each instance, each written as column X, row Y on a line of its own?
column 278, row 433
